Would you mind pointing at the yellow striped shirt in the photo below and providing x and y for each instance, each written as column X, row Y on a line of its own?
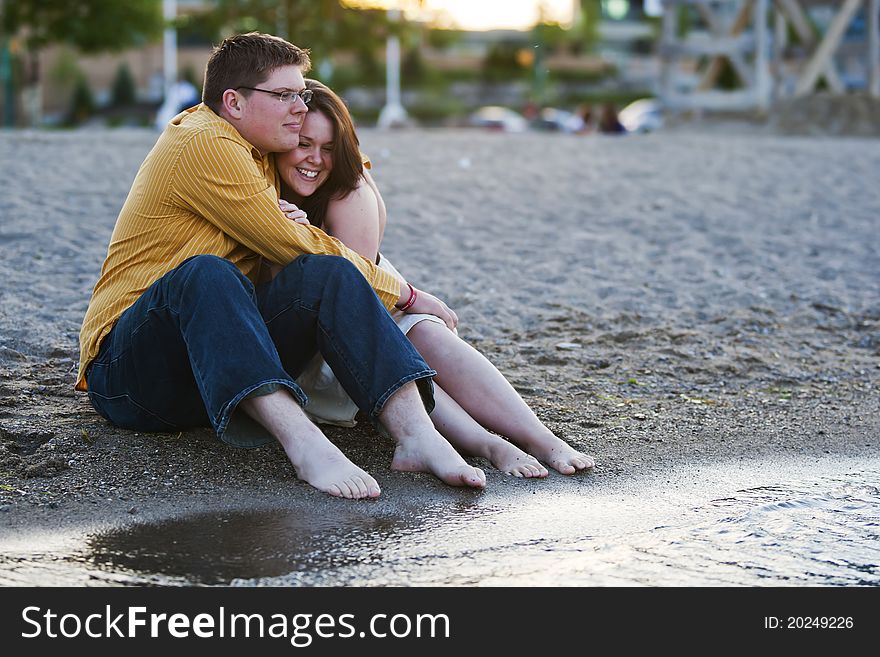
column 203, row 189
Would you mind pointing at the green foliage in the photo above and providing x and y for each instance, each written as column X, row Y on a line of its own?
column 124, row 88
column 412, row 69
column 685, row 17
column 586, row 77
column 64, row 72
column 434, row 108
column 504, row 63
column 322, row 26
column 551, row 36
column 728, row 78
column 614, row 96
column 88, row 25
column 82, row 103
column 586, row 32
column 441, row 39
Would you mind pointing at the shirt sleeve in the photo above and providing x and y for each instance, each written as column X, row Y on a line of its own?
column 219, row 180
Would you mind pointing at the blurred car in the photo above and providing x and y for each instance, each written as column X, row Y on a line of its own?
column 643, row 115
column 558, row 120
column 495, row 117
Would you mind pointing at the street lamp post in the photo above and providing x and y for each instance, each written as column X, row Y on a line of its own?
column 169, row 45
column 393, row 113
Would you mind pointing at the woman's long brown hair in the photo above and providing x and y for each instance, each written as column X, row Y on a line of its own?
column 347, row 165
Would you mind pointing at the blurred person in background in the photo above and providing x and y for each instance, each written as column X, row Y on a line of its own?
column 609, row 123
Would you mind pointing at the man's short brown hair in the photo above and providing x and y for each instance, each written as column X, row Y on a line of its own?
column 247, row 60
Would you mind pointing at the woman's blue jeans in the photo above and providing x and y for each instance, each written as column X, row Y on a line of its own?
column 203, row 338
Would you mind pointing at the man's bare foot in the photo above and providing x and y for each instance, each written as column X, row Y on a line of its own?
column 558, row 454
column 431, row 453
column 317, row 461
column 321, row 464
column 510, row 459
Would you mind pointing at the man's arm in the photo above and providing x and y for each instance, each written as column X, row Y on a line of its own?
column 224, row 184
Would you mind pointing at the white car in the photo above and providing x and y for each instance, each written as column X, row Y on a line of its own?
column 499, row 118
column 643, row 115
column 553, row 119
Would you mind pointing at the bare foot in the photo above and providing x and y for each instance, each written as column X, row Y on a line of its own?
column 431, row 453
column 321, row 464
column 558, row 454
column 510, row 459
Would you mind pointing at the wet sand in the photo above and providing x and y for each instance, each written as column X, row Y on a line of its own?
column 666, row 300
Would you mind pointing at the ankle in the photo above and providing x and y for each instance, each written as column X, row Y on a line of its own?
column 298, row 443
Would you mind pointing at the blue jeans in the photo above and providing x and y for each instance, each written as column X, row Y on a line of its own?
column 203, row 338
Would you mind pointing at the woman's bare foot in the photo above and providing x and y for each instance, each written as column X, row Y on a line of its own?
column 558, row 454
column 430, row 452
column 510, row 459
column 320, row 463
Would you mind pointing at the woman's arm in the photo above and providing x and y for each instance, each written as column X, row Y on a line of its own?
column 358, row 220
column 383, row 215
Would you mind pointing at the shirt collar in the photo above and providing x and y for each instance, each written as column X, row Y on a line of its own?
column 202, row 114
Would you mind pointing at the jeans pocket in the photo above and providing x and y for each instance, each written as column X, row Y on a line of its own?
column 124, row 412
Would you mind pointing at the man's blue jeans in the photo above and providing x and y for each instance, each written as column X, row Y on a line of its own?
column 202, row 338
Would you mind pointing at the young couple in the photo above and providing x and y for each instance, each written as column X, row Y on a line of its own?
column 181, row 331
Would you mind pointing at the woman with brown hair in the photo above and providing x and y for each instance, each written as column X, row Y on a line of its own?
column 325, row 183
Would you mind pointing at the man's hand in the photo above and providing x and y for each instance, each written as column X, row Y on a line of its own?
column 292, row 212
column 431, row 305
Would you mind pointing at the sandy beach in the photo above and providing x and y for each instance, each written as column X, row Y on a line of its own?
column 676, row 299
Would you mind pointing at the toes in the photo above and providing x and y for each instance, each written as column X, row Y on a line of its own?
column 565, row 468
column 358, row 487
column 365, row 487
column 346, row 489
column 335, row 491
column 475, row 477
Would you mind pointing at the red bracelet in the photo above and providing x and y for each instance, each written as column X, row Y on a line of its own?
column 413, row 295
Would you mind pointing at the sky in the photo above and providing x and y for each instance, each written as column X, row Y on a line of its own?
column 487, row 14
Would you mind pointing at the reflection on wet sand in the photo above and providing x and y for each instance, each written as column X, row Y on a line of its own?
column 797, row 522
column 219, row 547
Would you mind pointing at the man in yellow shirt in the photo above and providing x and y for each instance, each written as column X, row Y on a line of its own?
column 180, row 332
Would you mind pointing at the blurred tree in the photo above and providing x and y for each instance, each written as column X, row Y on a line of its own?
column 89, row 26
column 124, row 91
column 504, row 62
column 413, row 69
column 441, row 38
column 586, row 30
column 324, row 27
column 548, row 34
column 82, row 103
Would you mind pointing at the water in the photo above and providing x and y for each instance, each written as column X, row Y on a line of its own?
column 800, row 522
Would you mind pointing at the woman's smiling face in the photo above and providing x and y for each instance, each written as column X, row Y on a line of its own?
column 308, row 166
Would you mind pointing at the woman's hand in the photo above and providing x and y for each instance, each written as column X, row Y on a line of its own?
column 431, row 305
column 292, row 212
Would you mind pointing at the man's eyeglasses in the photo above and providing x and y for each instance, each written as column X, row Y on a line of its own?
column 288, row 97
